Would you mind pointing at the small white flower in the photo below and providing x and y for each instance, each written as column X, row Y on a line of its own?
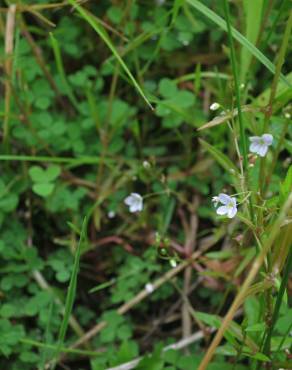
column 146, row 164
column 214, row 106
column 149, row 288
column 173, row 263
column 229, row 207
column 215, row 200
column 135, row 202
column 287, row 115
column 111, row 214
column 259, row 144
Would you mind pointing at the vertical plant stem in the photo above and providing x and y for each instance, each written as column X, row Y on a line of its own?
column 269, row 111
column 61, row 71
column 272, row 29
column 269, row 332
column 276, row 155
column 9, row 37
column 71, row 293
column 237, row 88
column 37, row 51
column 243, row 143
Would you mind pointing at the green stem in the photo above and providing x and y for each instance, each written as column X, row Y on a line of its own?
column 35, row 343
column 237, row 88
column 276, row 155
column 243, row 143
column 288, row 267
column 269, row 111
column 272, row 29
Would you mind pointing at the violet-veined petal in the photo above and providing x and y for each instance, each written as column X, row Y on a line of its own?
column 224, row 198
column 262, row 151
column 268, row 139
column 222, row 210
column 232, row 212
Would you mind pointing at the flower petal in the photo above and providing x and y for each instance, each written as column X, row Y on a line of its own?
column 133, row 208
column 233, row 201
column 254, row 139
column 128, row 200
column 268, row 139
column 231, row 212
column 262, row 150
column 139, row 206
column 224, row 198
column 254, row 147
column 135, row 202
column 222, row 210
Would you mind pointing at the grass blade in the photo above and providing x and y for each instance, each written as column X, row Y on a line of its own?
column 253, row 15
column 34, row 343
column 287, row 270
column 238, row 101
column 61, row 70
column 104, row 36
column 237, row 35
column 70, row 294
column 221, row 158
column 79, row 161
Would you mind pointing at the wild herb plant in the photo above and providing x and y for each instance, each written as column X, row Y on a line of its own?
column 145, row 190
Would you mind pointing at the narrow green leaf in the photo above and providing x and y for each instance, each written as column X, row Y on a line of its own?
column 168, row 213
column 286, row 186
column 102, row 286
column 237, row 35
column 253, row 15
column 71, row 293
column 61, row 71
column 104, row 36
column 175, row 9
column 221, row 158
column 49, row 346
column 78, row 161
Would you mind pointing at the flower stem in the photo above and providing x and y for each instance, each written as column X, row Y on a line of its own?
column 243, row 143
column 288, row 267
column 269, row 110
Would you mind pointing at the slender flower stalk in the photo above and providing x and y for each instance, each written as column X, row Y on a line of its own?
column 243, row 142
column 237, row 86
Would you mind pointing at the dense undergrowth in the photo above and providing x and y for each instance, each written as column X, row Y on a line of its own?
column 109, row 98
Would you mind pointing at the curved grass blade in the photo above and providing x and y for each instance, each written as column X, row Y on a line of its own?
column 61, row 71
column 237, row 35
column 221, row 158
column 104, row 36
column 222, row 119
column 71, row 293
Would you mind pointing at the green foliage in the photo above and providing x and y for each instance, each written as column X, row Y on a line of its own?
column 80, row 139
column 43, row 180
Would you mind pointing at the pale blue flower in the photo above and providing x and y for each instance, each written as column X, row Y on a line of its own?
column 260, row 144
column 214, row 106
column 229, row 207
column 135, row 202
